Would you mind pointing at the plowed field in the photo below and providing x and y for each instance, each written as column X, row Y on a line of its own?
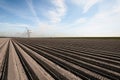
column 59, row 59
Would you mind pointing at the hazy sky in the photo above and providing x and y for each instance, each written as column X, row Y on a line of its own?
column 60, row 17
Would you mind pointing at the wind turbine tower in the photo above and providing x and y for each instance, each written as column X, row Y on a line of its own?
column 28, row 32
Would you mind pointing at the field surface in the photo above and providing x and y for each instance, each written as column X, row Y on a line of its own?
column 59, row 59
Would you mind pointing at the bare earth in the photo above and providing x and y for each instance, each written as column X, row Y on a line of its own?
column 59, row 59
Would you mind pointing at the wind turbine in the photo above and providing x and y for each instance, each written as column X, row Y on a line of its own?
column 28, row 32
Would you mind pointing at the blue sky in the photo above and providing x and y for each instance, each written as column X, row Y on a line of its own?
column 51, row 18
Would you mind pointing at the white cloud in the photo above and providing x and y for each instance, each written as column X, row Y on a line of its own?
column 46, row 30
column 14, row 25
column 13, row 29
column 30, row 4
column 56, row 15
column 104, row 23
column 80, row 21
column 85, row 4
